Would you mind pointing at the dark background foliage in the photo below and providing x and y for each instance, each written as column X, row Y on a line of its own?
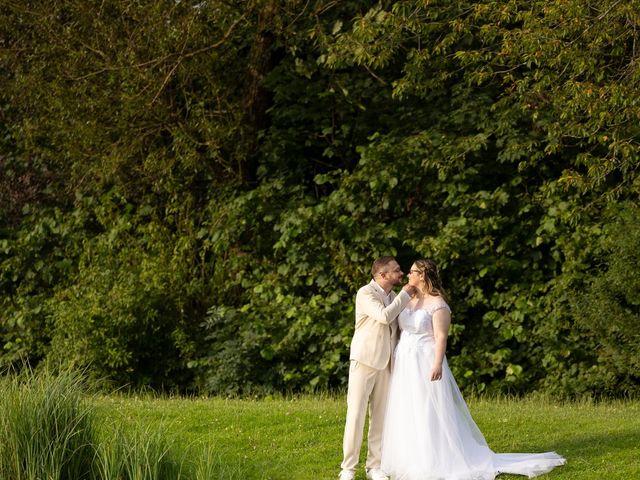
column 192, row 192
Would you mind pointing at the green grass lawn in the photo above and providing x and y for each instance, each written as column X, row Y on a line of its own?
column 301, row 438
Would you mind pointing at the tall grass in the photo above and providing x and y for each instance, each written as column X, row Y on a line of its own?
column 209, row 466
column 46, row 428
column 49, row 430
column 141, row 454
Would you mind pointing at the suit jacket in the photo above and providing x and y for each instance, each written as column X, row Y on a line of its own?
column 376, row 330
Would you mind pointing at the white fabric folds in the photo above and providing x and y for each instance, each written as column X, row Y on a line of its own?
column 429, row 433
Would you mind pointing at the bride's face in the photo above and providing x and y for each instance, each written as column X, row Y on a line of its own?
column 415, row 277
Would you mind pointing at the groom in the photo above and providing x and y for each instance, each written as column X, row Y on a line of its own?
column 374, row 339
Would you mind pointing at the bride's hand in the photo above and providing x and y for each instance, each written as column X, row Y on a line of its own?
column 436, row 373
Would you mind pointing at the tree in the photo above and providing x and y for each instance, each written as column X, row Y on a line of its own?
column 195, row 190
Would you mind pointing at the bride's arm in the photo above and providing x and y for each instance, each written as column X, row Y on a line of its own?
column 441, row 322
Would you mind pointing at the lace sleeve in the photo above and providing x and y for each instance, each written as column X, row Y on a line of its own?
column 439, row 304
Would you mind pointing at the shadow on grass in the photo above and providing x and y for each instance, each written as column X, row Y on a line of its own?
column 599, row 445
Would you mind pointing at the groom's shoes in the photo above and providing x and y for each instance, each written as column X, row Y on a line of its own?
column 347, row 475
column 376, row 474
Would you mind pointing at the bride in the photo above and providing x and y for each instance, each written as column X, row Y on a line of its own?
column 428, row 431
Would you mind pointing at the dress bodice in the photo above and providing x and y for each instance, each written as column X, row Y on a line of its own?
column 419, row 321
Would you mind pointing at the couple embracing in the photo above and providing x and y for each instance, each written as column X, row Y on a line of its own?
column 419, row 425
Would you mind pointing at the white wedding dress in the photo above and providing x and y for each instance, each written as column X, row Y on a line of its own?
column 428, row 432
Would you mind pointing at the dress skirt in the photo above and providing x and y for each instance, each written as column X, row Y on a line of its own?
column 429, row 433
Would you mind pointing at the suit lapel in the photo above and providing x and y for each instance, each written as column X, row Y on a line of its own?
column 378, row 290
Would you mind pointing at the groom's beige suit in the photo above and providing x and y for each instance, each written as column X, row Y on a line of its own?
column 371, row 356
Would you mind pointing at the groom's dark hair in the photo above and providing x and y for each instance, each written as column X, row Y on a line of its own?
column 380, row 264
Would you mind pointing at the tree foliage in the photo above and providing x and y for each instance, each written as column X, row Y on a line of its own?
column 192, row 192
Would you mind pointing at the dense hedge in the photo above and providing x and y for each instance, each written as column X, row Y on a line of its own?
column 192, row 192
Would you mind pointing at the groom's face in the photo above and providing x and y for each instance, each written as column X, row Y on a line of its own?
column 394, row 274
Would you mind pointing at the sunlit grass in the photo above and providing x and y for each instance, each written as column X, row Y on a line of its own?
column 599, row 440
column 262, row 438
column 300, row 438
column 51, row 428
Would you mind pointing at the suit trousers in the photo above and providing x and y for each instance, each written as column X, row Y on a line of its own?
column 366, row 386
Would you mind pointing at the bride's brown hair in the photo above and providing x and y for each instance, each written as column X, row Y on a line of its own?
column 429, row 272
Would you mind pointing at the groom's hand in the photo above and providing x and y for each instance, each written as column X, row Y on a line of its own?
column 410, row 289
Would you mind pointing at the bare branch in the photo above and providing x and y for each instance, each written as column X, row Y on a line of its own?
column 219, row 42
